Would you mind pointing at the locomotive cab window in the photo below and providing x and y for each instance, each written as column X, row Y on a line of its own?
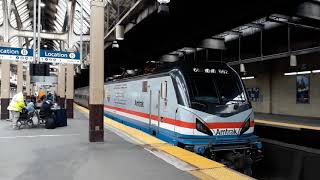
column 144, row 86
column 164, row 90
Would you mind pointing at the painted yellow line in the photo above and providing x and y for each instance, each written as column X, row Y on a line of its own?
column 205, row 168
column 224, row 173
column 290, row 125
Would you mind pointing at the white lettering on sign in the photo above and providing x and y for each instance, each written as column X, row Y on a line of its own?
column 9, row 51
column 222, row 71
column 72, row 55
column 24, row 52
column 56, row 54
column 210, row 71
column 224, row 132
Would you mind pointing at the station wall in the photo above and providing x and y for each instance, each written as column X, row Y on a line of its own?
column 278, row 92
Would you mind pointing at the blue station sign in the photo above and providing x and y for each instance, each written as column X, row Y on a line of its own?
column 49, row 56
column 16, row 54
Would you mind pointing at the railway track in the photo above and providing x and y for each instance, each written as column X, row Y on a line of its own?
column 289, row 154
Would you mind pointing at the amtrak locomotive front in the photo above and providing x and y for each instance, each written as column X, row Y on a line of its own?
column 202, row 108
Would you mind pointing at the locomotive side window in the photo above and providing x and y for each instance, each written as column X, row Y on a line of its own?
column 164, row 90
column 144, row 86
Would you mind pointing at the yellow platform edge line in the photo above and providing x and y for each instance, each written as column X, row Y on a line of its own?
column 205, row 167
column 291, row 125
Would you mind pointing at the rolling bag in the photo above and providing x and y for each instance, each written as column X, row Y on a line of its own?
column 50, row 123
column 60, row 117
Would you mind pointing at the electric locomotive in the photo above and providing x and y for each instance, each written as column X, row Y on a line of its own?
column 203, row 108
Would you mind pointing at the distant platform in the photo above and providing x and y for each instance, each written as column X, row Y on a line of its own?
column 288, row 122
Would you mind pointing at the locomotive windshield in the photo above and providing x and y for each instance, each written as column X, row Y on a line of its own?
column 216, row 89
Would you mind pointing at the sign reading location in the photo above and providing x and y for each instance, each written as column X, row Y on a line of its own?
column 49, row 56
column 16, row 54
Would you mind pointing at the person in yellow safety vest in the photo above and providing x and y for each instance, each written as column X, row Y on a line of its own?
column 15, row 107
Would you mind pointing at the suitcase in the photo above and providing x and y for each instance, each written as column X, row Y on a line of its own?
column 60, row 117
column 50, row 123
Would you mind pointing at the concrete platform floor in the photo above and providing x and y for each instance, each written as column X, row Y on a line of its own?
column 65, row 154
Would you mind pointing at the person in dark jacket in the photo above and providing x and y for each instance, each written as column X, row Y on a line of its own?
column 50, row 97
column 45, row 109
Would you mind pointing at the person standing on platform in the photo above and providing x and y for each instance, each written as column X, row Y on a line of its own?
column 15, row 107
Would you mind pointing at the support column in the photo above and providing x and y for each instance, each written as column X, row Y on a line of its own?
column 62, row 85
column 5, row 89
column 19, row 77
column 28, row 84
column 70, row 90
column 96, row 84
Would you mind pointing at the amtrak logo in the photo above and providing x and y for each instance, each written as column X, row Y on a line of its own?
column 72, row 55
column 24, row 52
column 226, row 132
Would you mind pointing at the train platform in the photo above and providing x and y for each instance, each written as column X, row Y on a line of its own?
column 65, row 153
column 288, row 122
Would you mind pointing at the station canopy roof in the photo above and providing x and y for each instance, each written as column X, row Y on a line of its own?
column 55, row 15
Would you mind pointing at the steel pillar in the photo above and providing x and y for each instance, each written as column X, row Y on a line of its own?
column 28, row 83
column 70, row 90
column 19, row 77
column 62, row 85
column 5, row 89
column 96, row 84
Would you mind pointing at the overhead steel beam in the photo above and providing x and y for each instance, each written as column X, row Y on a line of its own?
column 45, row 35
column 277, row 56
column 272, row 19
column 237, row 33
column 126, row 20
column 211, row 43
column 70, row 13
column 256, row 25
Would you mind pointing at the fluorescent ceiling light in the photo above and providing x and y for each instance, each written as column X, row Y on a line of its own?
column 42, row 4
column 290, row 73
column 304, row 72
column 316, row 71
column 298, row 73
column 248, row 77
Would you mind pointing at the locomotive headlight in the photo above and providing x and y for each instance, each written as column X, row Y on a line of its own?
column 202, row 127
column 245, row 126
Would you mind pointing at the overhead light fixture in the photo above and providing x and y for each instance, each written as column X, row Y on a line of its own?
column 119, row 32
column 45, row 46
column 163, row 7
column 316, row 71
column 242, row 68
column 163, row 1
column 42, row 4
column 248, row 77
column 304, row 72
column 297, row 73
column 290, row 74
column 293, row 60
column 115, row 44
